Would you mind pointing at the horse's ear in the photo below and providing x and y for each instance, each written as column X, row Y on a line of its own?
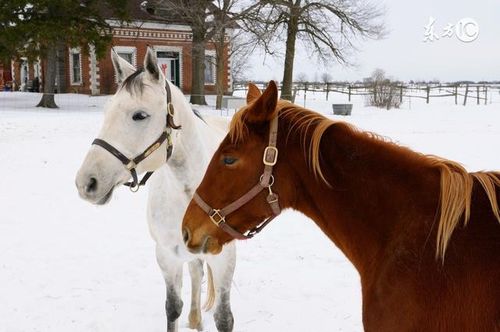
column 253, row 93
column 123, row 69
column 151, row 65
column 263, row 109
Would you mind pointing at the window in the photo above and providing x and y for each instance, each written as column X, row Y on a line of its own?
column 75, row 66
column 129, row 56
column 126, row 52
column 209, row 69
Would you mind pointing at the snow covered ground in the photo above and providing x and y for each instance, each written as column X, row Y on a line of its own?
column 66, row 265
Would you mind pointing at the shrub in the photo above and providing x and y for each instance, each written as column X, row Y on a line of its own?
column 384, row 93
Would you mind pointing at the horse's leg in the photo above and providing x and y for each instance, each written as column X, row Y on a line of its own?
column 172, row 273
column 196, row 272
column 222, row 266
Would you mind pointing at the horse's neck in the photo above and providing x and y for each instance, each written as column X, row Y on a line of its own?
column 193, row 143
column 378, row 191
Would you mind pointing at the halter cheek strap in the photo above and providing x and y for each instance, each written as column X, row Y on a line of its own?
column 131, row 163
column 269, row 159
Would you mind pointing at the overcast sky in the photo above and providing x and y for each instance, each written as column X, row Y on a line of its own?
column 404, row 55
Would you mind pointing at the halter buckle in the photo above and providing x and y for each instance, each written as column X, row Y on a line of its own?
column 216, row 217
column 131, row 165
column 170, row 109
column 270, row 156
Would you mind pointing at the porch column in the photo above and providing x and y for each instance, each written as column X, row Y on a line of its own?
column 93, row 72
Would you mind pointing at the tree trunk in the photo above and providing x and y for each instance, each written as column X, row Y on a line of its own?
column 49, row 80
column 219, row 67
column 198, row 67
column 286, row 89
column 61, row 70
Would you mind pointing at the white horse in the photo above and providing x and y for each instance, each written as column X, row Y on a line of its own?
column 134, row 118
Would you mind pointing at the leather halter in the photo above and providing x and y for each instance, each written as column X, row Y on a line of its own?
column 218, row 216
column 131, row 163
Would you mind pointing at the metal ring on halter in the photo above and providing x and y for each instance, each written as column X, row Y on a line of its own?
column 271, row 178
column 134, row 189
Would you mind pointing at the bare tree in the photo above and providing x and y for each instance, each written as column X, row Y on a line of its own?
column 227, row 38
column 196, row 13
column 326, row 78
column 210, row 21
column 384, row 92
column 240, row 52
column 301, row 78
column 328, row 28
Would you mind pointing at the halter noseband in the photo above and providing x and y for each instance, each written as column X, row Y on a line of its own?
column 269, row 159
column 131, row 163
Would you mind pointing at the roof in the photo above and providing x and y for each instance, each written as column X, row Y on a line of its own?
column 152, row 11
column 144, row 10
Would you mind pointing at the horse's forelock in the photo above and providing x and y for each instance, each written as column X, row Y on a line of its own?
column 238, row 129
column 134, row 84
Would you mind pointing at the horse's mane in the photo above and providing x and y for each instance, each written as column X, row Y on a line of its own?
column 456, row 183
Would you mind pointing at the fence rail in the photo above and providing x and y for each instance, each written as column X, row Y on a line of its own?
column 478, row 92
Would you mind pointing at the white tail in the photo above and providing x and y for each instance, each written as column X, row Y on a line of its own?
column 209, row 302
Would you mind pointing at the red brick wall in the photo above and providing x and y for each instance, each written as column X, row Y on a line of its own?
column 106, row 75
column 106, row 71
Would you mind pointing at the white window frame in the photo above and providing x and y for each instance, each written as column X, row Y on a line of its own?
column 73, row 51
column 211, row 53
column 178, row 49
column 127, row 49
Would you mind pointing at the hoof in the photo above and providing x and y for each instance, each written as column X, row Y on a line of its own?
column 195, row 321
column 224, row 321
column 173, row 307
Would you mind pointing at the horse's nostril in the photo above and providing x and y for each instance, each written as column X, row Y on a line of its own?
column 185, row 235
column 91, row 186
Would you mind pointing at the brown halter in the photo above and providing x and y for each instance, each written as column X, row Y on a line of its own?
column 218, row 216
column 131, row 163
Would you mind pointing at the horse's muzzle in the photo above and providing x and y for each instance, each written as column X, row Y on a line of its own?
column 206, row 245
column 90, row 189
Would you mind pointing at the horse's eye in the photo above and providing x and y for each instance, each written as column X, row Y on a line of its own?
column 140, row 115
column 229, row 160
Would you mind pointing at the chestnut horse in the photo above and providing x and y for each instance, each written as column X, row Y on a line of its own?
column 423, row 233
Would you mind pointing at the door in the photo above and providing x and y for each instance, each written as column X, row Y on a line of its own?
column 169, row 65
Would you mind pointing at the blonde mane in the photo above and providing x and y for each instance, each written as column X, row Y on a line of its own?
column 456, row 183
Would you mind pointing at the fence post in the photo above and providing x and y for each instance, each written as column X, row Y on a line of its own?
column 477, row 94
column 327, row 90
column 401, row 94
column 466, row 93
column 305, row 92
column 349, row 92
column 486, row 95
column 456, row 94
column 428, row 93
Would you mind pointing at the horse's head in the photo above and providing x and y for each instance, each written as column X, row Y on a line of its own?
column 134, row 118
column 236, row 168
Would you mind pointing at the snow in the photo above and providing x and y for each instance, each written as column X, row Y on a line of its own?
column 66, row 265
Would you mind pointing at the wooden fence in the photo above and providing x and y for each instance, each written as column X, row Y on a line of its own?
column 460, row 92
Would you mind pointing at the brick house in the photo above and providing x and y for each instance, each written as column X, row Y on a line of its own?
column 5, row 74
column 78, row 72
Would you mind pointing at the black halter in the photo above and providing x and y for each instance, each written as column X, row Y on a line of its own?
column 131, row 163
